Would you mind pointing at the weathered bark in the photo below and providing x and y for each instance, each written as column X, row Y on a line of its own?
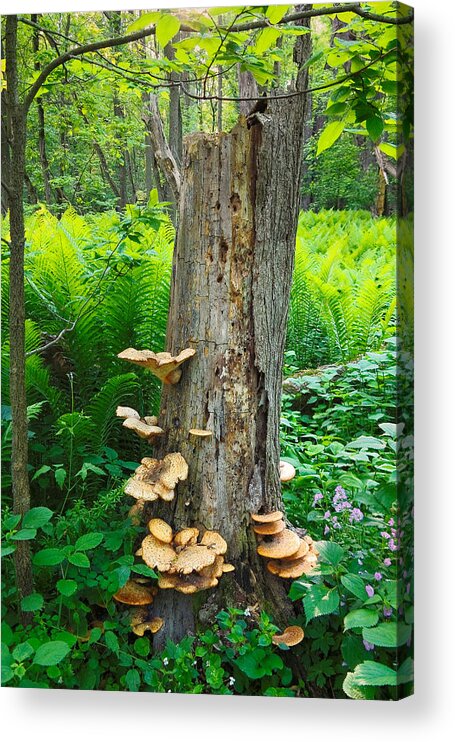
column 19, row 457
column 45, row 169
column 162, row 151
column 175, row 112
column 115, row 18
column 232, row 274
column 248, row 88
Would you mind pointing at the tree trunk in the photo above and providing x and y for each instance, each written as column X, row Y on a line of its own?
column 45, row 169
column 19, row 456
column 232, row 274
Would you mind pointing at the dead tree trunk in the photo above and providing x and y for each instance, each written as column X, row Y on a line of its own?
column 232, row 275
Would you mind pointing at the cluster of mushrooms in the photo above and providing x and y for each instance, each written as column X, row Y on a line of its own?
column 187, row 562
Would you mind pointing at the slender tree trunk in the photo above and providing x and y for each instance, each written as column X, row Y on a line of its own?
column 6, row 152
column 41, row 125
column 232, row 274
column 175, row 111
column 116, row 29
column 21, row 490
column 248, row 88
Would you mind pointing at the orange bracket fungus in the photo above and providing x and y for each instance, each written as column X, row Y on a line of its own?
column 287, row 471
column 163, row 365
column 289, row 555
column 184, row 563
column 156, row 479
column 144, row 427
column 134, row 593
column 290, row 637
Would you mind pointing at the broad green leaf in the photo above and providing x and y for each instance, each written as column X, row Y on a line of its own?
column 48, row 557
column 67, row 587
column 37, row 517
column 5, row 550
column 133, row 680
column 32, row 602
column 388, row 634
column 79, row 560
column 374, row 673
column 392, row 150
column 51, row 653
column 22, row 651
column 11, row 521
column 356, row 691
column 146, row 19
column 42, row 470
column 330, row 552
column 320, row 601
column 60, row 476
column 276, row 12
column 366, row 441
column 142, row 569
column 142, row 646
column 375, row 127
column 406, row 671
column 355, row 585
column 111, row 641
column 25, row 534
column 360, row 618
column 88, row 541
column 266, row 39
column 329, row 135
column 167, row 27
column 7, row 672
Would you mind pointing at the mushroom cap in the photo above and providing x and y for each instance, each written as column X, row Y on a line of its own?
column 200, row 433
column 301, row 551
column 135, row 512
column 185, row 537
column 228, row 567
column 151, row 419
column 163, row 365
column 269, row 529
column 155, row 478
column 157, row 554
column 138, row 615
column 141, row 428
column 291, row 636
column 154, row 625
column 282, row 545
column 192, row 559
column 161, row 530
column 134, row 594
column 187, row 584
column 290, row 569
column 214, row 570
column 127, row 412
column 213, row 540
column 287, row 471
column 267, row 517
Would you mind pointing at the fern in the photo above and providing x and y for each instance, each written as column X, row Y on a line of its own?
column 119, row 390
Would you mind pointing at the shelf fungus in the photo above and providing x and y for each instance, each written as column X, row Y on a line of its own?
column 141, row 621
column 145, row 427
column 200, row 433
column 289, row 555
column 184, row 563
column 156, row 479
column 135, row 593
column 290, row 637
column 163, row 365
column 287, row 471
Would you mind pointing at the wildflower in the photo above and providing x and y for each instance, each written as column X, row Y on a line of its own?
column 340, row 492
column 387, row 562
column 326, row 530
column 384, row 534
column 391, row 522
column 165, row 661
column 327, row 515
column 231, row 680
column 360, row 561
column 318, row 496
column 377, row 576
column 343, row 505
column 387, row 612
column 369, row 590
column 368, row 646
column 356, row 515
column 392, row 545
column 335, row 523
column 247, row 612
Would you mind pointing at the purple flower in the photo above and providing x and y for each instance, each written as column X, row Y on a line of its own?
column 326, row 530
column 377, row 576
column 384, row 534
column 391, row 522
column 387, row 612
column 392, row 545
column 318, row 496
column 327, row 515
column 340, row 492
column 368, row 646
column 356, row 515
column 387, row 562
column 343, row 505
column 369, row 590
column 335, row 523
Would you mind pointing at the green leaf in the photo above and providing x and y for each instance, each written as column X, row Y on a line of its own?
column 5, row 550
column 320, row 601
column 375, row 127
column 146, row 19
column 166, row 28
column 51, row 653
column 374, row 673
column 406, row 671
column 22, row 651
column 392, row 150
column 32, row 602
column 67, row 587
column 79, row 560
column 42, row 470
column 366, row 441
column 7, row 672
column 48, row 557
column 388, row 634
column 37, row 517
column 329, row 135
column 133, row 680
column 142, row 646
column 142, row 569
column 265, row 40
column 11, row 521
column 88, row 541
column 60, row 476
column 361, row 617
column 24, row 535
column 355, row 585
column 330, row 552
column 111, row 641
column 356, row 691
column 276, row 12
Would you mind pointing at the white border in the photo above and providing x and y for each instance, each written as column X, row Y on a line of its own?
column 50, row 716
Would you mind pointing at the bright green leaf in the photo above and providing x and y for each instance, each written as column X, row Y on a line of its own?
column 375, row 127
column 361, row 617
column 25, row 534
column 374, row 673
column 320, row 601
column 37, row 517
column 266, row 38
column 330, row 552
column 32, row 602
column 167, row 27
column 51, row 653
column 22, row 651
column 79, row 560
column 88, row 541
column 67, row 587
column 276, row 12
column 60, row 476
column 146, row 19
column 356, row 691
column 355, row 585
column 48, row 557
column 329, row 135
column 388, row 634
